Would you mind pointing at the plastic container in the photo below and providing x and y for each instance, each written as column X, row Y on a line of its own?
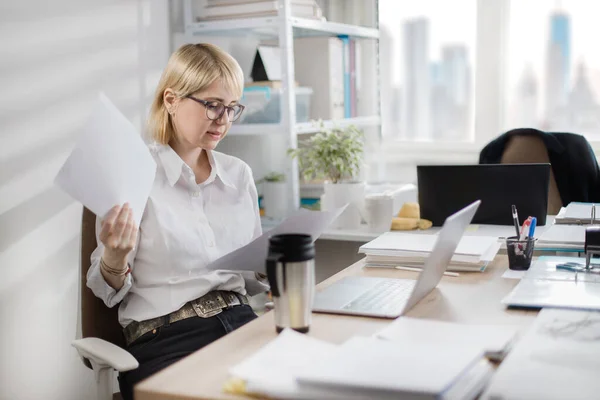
column 263, row 105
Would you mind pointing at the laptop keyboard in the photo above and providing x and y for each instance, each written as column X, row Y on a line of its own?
column 386, row 296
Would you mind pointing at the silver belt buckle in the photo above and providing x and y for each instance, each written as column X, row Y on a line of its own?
column 209, row 305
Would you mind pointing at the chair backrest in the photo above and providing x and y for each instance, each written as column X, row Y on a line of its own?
column 525, row 149
column 97, row 320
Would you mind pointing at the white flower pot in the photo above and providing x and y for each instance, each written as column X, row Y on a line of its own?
column 275, row 199
column 338, row 194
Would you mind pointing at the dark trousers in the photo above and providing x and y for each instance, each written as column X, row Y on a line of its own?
column 157, row 350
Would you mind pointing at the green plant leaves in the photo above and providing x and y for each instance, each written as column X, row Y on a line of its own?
column 334, row 154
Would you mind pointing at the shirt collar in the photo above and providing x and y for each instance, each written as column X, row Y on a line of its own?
column 218, row 170
column 173, row 166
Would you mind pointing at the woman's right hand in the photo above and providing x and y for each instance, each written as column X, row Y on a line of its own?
column 118, row 234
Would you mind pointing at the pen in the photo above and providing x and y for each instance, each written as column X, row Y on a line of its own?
column 515, row 219
column 419, row 270
column 525, row 229
column 532, row 226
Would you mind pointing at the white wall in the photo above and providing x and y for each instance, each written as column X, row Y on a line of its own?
column 55, row 57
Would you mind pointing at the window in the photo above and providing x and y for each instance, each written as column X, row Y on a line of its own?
column 427, row 69
column 553, row 76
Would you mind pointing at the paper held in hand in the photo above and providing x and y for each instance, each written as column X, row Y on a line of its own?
column 110, row 164
column 252, row 256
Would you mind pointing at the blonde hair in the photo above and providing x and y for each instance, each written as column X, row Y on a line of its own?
column 192, row 68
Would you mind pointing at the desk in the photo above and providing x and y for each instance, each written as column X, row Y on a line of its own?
column 471, row 298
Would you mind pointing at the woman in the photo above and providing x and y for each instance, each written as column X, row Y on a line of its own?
column 203, row 204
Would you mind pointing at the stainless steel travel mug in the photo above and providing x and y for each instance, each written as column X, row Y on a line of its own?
column 291, row 274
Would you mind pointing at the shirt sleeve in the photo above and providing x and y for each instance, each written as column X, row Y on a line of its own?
column 96, row 281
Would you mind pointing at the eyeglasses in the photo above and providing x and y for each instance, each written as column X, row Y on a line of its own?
column 216, row 109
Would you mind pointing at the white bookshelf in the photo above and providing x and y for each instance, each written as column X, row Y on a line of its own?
column 283, row 28
column 267, row 28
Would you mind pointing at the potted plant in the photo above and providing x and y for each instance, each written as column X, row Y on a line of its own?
column 335, row 155
column 274, row 195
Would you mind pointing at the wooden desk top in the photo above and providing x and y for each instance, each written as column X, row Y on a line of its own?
column 470, row 298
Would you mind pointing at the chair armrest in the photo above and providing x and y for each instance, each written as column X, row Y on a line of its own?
column 104, row 353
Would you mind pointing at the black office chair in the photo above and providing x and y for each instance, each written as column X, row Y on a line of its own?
column 575, row 175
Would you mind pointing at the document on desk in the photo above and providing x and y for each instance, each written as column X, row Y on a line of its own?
column 110, row 164
column 493, row 340
column 252, row 256
column 272, row 370
column 557, row 358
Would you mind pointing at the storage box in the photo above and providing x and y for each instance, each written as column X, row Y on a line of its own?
column 263, row 105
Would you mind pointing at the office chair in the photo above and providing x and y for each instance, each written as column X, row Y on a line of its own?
column 526, row 149
column 102, row 344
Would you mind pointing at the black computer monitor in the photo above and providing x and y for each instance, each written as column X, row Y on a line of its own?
column 444, row 189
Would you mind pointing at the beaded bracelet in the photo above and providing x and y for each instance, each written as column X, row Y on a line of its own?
column 113, row 271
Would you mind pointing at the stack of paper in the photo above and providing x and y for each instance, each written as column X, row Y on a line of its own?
column 409, row 249
column 558, row 358
column 295, row 366
column 577, row 214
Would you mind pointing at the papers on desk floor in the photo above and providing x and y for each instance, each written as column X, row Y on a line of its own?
column 493, row 340
column 558, row 358
column 252, row 256
column 294, row 366
column 543, row 285
column 110, row 164
column 408, row 249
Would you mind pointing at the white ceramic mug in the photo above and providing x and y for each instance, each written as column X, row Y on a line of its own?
column 379, row 210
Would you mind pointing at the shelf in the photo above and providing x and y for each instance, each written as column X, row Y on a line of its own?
column 310, row 127
column 267, row 27
column 256, row 129
column 301, row 128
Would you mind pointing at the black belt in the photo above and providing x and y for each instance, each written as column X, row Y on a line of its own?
column 206, row 306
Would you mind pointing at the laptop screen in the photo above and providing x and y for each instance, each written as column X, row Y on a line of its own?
column 443, row 189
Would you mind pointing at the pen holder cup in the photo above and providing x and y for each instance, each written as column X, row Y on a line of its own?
column 519, row 252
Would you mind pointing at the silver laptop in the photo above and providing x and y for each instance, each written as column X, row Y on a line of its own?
column 391, row 298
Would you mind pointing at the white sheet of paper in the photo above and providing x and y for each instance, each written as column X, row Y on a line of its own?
column 110, row 164
column 511, row 274
column 271, row 371
column 252, row 256
column 494, row 339
column 558, row 358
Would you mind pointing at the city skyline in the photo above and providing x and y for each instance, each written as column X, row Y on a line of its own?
column 567, row 99
column 435, row 95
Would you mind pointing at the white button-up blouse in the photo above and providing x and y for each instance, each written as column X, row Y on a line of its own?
column 184, row 227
